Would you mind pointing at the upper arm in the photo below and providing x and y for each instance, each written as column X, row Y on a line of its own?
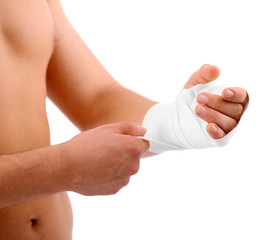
column 75, row 78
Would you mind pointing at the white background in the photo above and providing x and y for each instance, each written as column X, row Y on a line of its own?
column 152, row 47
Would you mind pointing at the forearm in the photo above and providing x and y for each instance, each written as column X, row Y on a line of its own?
column 30, row 175
column 120, row 104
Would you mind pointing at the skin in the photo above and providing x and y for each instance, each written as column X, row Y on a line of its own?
column 221, row 112
column 42, row 55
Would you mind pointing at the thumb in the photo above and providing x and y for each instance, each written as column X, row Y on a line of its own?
column 127, row 128
column 205, row 74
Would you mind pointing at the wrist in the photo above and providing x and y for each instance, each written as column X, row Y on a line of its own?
column 61, row 167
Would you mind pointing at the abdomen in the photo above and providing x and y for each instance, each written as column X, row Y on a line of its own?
column 26, row 45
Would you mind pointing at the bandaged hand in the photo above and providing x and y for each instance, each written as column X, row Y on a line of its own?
column 203, row 115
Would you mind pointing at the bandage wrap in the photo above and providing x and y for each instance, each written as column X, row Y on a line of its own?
column 175, row 126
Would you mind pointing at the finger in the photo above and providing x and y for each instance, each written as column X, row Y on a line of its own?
column 127, row 128
column 135, row 147
column 209, row 115
column 205, row 74
column 144, row 145
column 218, row 103
column 215, row 131
column 236, row 95
column 116, row 185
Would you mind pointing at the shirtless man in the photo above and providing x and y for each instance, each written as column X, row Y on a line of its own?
column 42, row 55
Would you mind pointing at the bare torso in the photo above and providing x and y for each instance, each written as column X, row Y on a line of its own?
column 27, row 42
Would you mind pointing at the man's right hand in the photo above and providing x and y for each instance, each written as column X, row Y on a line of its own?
column 101, row 161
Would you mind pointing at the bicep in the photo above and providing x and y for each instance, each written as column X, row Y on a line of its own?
column 75, row 78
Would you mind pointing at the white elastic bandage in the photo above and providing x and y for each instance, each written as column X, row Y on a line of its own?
column 175, row 126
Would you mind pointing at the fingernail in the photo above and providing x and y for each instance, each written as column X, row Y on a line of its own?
column 142, row 129
column 228, row 94
column 213, row 129
column 206, row 66
column 201, row 110
column 202, row 98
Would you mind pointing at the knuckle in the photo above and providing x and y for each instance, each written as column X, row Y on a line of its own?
column 215, row 101
column 136, row 151
column 114, row 191
column 125, row 182
column 230, row 125
column 135, row 168
column 134, row 147
column 217, row 104
column 214, row 117
column 126, row 126
column 119, row 185
column 238, row 111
